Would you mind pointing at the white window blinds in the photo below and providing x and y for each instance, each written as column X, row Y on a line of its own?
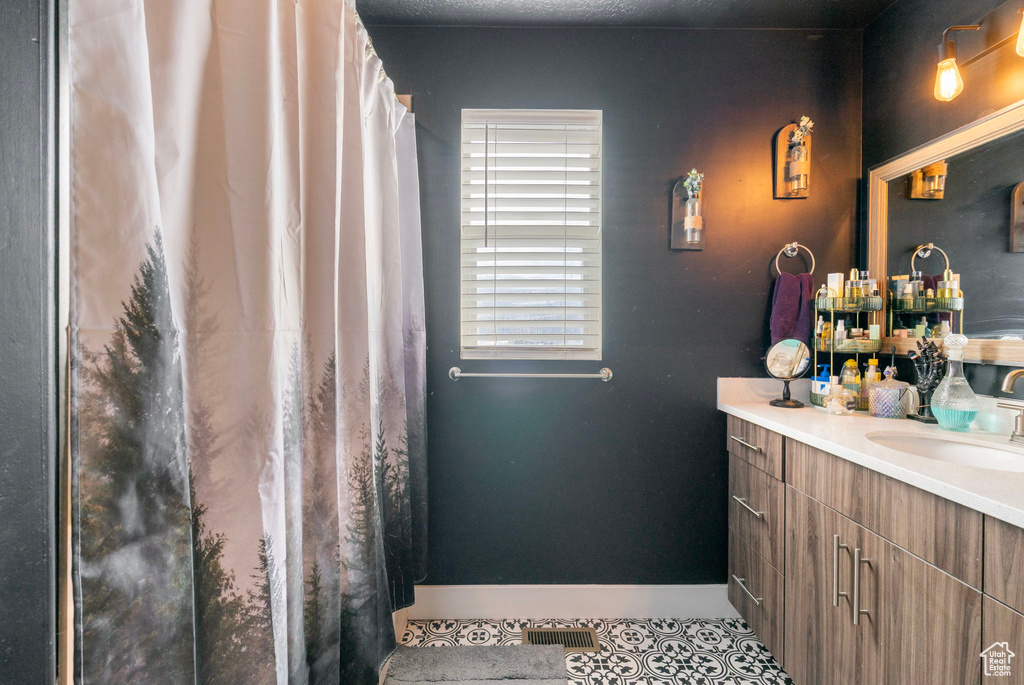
column 531, row 234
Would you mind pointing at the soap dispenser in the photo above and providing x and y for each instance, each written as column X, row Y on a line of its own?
column 822, row 382
column 954, row 404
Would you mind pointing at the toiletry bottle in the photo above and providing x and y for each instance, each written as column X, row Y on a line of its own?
column 819, row 327
column 944, row 287
column 841, row 330
column 871, row 376
column 823, row 380
column 835, row 285
column 853, row 286
column 954, row 404
column 916, row 284
column 870, row 284
column 898, row 284
column 941, row 329
column 921, row 329
column 826, row 331
column 850, row 377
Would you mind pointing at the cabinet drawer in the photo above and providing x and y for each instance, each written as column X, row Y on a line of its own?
column 941, row 532
column 755, row 589
column 1002, row 624
column 1004, row 564
column 756, row 510
column 758, row 446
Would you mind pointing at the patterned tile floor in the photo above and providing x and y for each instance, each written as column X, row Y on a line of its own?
column 633, row 651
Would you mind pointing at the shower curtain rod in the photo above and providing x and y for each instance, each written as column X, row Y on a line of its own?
column 455, row 373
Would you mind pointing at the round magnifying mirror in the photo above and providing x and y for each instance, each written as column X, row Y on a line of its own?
column 787, row 360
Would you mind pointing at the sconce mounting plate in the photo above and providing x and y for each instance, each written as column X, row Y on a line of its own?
column 780, row 157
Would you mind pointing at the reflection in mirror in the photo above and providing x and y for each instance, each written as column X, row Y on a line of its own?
column 787, row 360
column 972, row 220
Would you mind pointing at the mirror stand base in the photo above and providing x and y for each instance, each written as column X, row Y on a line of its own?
column 788, row 404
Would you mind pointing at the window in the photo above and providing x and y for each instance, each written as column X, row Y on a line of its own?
column 531, row 234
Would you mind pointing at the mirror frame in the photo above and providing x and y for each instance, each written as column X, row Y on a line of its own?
column 985, row 130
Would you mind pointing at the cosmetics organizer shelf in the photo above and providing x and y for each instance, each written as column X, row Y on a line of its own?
column 848, row 304
column 866, row 307
column 928, row 305
column 847, row 346
column 819, row 401
column 954, row 306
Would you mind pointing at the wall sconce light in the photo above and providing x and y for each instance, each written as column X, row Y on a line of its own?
column 948, row 82
column 1017, row 218
column 793, row 160
column 688, row 213
column 1020, row 39
column 929, row 183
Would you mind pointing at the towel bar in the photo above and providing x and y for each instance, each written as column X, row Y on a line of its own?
column 455, row 373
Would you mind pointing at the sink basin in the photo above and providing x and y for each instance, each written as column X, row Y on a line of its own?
column 963, row 451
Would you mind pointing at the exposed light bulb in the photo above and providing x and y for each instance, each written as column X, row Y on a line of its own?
column 948, row 83
column 1020, row 39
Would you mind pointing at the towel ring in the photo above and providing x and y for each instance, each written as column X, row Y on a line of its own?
column 791, row 250
column 925, row 251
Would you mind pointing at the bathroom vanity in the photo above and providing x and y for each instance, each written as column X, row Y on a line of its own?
column 855, row 562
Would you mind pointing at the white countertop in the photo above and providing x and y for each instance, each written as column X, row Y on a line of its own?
column 999, row 494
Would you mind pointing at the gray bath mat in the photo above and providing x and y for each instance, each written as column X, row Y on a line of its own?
column 513, row 664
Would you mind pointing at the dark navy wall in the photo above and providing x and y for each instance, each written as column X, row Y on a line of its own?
column 27, row 348
column 549, row 481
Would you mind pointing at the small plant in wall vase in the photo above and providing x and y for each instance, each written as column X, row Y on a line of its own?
column 688, row 213
column 793, row 160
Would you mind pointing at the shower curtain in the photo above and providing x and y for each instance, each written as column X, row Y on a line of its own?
column 247, row 431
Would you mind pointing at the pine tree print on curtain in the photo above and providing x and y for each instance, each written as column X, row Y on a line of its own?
column 248, row 430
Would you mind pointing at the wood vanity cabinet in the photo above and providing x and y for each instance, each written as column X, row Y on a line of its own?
column 854, row 540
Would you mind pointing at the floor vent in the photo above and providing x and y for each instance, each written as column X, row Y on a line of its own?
column 573, row 639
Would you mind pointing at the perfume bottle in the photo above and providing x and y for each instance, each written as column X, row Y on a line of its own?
column 954, row 404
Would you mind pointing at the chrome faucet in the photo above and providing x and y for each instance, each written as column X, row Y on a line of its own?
column 1018, row 425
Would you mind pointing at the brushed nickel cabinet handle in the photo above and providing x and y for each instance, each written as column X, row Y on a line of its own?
column 746, row 444
column 857, row 561
column 836, row 594
column 742, row 582
column 743, row 503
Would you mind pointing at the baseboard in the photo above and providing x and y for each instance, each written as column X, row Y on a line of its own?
column 571, row 601
column 400, row 618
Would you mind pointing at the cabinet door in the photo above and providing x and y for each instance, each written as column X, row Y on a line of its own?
column 931, row 623
column 817, row 637
column 914, row 624
column 861, row 626
column 1004, row 632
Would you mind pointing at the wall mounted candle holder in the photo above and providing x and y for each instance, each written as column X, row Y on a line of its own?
column 792, row 160
column 688, row 213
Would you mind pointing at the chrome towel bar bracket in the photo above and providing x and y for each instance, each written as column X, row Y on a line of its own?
column 455, row 373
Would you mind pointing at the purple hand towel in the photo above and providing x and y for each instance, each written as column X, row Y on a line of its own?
column 792, row 307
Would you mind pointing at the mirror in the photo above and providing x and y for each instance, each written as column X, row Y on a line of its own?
column 964, row 193
column 787, row 360
column 971, row 222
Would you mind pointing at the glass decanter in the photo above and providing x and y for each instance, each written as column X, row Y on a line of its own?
column 954, row 404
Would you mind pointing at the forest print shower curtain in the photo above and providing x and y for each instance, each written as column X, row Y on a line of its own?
column 247, row 344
